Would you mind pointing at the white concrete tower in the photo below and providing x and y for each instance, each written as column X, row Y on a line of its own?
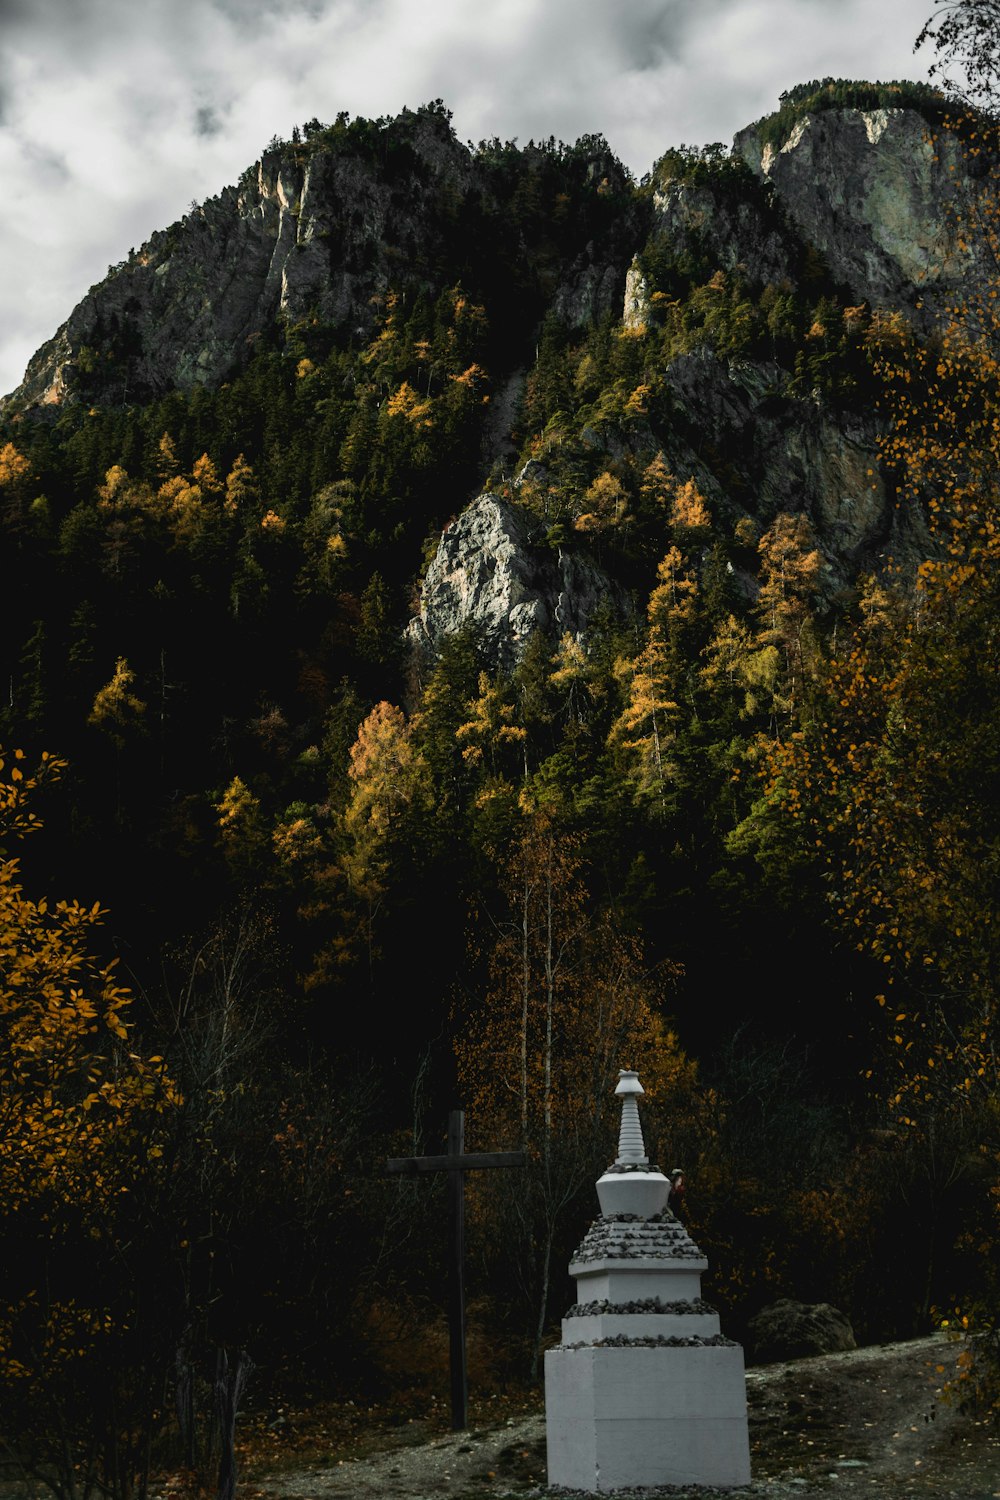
column 643, row 1390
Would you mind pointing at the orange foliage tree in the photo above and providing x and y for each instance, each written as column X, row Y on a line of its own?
column 567, row 1003
column 888, row 787
column 81, row 1125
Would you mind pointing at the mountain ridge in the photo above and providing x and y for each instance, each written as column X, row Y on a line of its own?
column 842, row 201
column 316, row 230
column 319, row 227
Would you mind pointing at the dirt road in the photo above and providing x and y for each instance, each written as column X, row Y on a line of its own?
column 866, row 1424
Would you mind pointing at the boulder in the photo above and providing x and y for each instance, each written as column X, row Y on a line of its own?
column 793, row 1330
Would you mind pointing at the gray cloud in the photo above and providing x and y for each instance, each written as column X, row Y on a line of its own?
column 114, row 114
column 206, row 120
column 249, row 13
column 13, row 11
column 50, row 166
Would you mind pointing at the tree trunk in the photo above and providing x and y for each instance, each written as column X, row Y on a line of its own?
column 543, row 1301
column 525, row 992
column 230, row 1382
column 184, row 1406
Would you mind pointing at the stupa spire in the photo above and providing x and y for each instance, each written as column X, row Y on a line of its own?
column 631, row 1146
column 631, row 1185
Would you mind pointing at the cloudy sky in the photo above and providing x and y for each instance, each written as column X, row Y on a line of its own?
column 116, row 114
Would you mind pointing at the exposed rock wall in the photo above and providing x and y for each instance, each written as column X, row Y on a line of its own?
column 319, row 233
column 872, row 193
column 735, row 233
column 789, row 455
column 489, row 573
column 315, row 232
column 314, row 235
column 635, row 312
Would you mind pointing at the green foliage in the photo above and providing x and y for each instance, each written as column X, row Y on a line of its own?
column 705, row 166
column 842, row 93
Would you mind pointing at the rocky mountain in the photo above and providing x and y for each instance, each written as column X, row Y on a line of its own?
column 860, row 200
column 318, row 231
column 871, row 190
column 451, row 584
column 825, row 199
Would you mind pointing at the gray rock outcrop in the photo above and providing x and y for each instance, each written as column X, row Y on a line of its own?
column 635, row 312
column 794, row 1330
column 737, row 233
column 490, row 573
column 318, row 232
column 790, row 454
column 315, row 235
column 871, row 191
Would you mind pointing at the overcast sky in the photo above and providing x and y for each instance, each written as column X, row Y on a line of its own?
column 115, row 114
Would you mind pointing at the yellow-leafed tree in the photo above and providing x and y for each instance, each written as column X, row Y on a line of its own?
column 80, row 1128
column 568, row 1002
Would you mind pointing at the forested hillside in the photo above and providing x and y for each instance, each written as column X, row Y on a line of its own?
column 736, row 828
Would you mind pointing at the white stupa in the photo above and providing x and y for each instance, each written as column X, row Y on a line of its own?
column 643, row 1389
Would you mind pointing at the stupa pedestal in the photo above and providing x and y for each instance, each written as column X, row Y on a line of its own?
column 643, row 1389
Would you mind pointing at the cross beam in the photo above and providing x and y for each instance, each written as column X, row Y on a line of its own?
column 470, row 1161
column 456, row 1164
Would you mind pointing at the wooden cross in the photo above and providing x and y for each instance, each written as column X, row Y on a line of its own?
column 456, row 1164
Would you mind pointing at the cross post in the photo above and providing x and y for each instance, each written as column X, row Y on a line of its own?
column 457, row 1162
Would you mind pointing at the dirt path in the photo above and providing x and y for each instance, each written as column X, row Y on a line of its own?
column 866, row 1424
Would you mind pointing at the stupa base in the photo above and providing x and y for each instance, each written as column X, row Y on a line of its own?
column 620, row 1417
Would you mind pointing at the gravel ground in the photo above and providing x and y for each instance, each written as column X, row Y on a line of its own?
column 866, row 1424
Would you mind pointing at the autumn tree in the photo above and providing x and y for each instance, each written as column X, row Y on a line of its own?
column 117, row 709
column 657, row 485
column 573, row 677
column 83, row 1119
column 242, row 832
column 603, row 504
column 242, row 494
column 120, row 714
column 129, row 513
column 566, row 1001
column 391, row 797
column 689, row 513
column 644, row 728
column 790, row 566
column 491, row 728
column 652, row 681
column 15, row 478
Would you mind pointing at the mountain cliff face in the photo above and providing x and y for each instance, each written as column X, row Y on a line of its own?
column 318, row 232
column 303, row 235
column 490, row 572
column 791, row 455
column 871, row 191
